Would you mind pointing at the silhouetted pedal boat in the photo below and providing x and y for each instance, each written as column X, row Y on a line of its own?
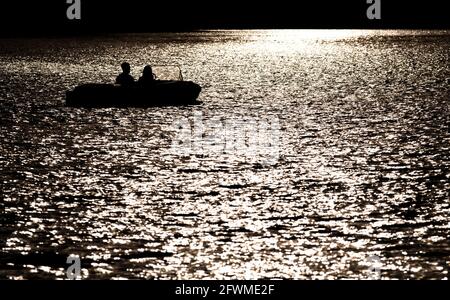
column 160, row 93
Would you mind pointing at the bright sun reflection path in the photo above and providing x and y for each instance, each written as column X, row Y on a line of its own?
column 314, row 34
column 290, row 40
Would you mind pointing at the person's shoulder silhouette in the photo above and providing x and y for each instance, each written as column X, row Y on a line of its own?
column 147, row 76
column 124, row 78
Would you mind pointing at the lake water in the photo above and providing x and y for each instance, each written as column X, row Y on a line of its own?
column 355, row 183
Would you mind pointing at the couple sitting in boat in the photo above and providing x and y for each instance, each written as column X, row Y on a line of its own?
column 125, row 79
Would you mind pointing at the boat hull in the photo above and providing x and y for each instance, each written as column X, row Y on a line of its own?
column 161, row 93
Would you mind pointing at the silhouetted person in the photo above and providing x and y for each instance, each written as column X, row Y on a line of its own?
column 124, row 78
column 147, row 77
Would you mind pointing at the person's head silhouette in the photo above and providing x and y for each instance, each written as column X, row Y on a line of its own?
column 126, row 68
column 148, row 72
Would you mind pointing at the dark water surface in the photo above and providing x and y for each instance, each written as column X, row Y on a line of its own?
column 361, row 172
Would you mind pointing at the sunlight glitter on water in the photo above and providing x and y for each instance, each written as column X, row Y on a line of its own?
column 361, row 172
column 287, row 36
